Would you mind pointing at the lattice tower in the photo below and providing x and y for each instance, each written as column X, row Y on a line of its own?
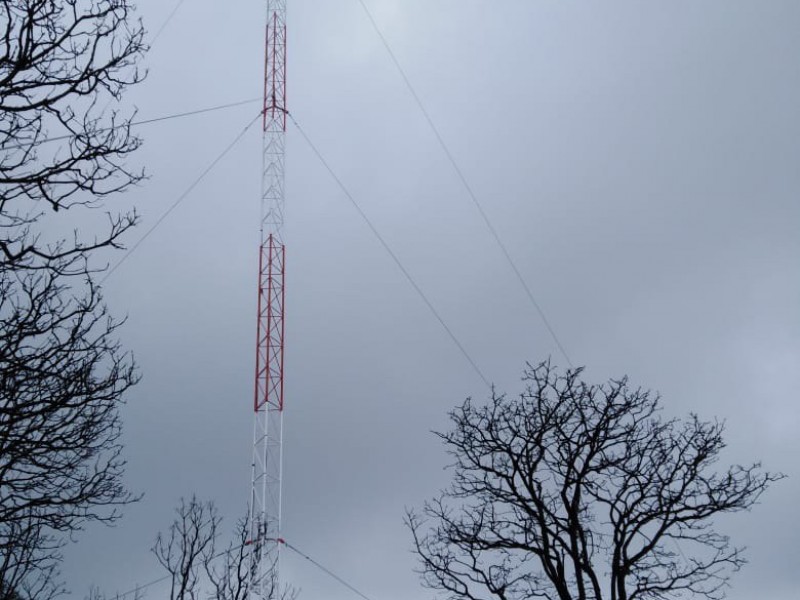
column 265, row 501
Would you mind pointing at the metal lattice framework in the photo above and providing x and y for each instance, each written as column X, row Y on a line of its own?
column 265, row 501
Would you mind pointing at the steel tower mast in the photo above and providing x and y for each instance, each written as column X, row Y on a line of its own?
column 265, row 500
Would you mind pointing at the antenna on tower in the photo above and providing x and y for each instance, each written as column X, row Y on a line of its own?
column 265, row 498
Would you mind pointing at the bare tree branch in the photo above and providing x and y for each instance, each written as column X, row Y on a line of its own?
column 62, row 376
column 581, row 492
column 188, row 551
column 61, row 65
column 64, row 66
column 187, row 546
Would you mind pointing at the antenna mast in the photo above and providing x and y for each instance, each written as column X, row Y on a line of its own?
column 265, row 500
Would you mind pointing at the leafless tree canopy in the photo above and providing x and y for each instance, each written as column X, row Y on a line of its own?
column 189, row 551
column 63, row 145
column 577, row 491
column 62, row 375
column 229, row 572
column 187, row 546
column 63, row 66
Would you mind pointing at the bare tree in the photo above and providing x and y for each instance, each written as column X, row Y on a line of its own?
column 189, row 550
column 64, row 66
column 96, row 594
column 28, row 568
column 188, row 545
column 62, row 375
column 576, row 492
column 229, row 572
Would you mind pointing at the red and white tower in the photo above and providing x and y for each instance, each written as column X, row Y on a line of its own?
column 265, row 501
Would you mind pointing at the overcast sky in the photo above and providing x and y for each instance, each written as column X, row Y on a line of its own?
column 640, row 162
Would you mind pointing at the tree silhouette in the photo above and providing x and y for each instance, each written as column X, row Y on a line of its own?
column 575, row 492
column 64, row 144
column 197, row 568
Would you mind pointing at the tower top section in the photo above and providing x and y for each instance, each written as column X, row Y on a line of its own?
column 275, row 67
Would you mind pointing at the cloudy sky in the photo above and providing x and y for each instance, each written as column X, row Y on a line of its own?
column 638, row 159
